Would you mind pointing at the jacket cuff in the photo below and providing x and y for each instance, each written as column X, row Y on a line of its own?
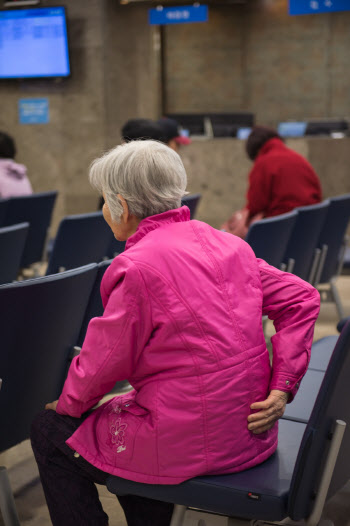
column 287, row 383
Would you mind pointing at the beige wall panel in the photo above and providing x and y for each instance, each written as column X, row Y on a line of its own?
column 203, row 63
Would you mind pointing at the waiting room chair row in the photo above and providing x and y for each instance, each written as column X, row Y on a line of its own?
column 81, row 239
column 42, row 320
column 309, row 241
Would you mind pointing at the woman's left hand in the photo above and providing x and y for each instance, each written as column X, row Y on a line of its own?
column 52, row 405
column 271, row 410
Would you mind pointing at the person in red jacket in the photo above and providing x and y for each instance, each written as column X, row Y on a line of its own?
column 279, row 181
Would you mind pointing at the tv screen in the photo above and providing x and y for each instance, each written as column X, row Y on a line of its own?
column 33, row 43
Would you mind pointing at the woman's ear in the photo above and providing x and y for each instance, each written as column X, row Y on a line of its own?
column 125, row 215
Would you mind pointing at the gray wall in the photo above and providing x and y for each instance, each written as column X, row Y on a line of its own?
column 256, row 57
column 251, row 57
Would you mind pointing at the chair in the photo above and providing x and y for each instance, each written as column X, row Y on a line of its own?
column 332, row 246
column 115, row 247
column 269, row 237
column 39, row 324
column 311, row 464
column 94, row 307
column 36, row 209
column 342, row 323
column 81, row 239
column 192, row 202
column 301, row 256
column 3, row 209
column 12, row 242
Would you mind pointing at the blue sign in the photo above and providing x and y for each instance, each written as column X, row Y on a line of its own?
column 33, row 111
column 307, row 7
column 185, row 14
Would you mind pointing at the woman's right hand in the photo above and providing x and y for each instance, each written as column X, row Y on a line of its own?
column 269, row 411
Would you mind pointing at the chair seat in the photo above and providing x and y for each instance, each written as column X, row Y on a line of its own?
column 321, row 353
column 260, row 492
column 301, row 407
column 342, row 324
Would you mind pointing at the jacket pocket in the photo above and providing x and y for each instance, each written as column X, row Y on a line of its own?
column 124, row 421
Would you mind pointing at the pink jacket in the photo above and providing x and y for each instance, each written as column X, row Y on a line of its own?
column 182, row 323
column 13, row 179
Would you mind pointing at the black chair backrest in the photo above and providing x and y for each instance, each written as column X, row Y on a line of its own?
column 192, row 202
column 40, row 321
column 3, row 210
column 81, row 239
column 12, row 242
column 94, row 307
column 332, row 404
column 304, row 237
column 333, row 232
column 36, row 209
column 116, row 247
column 269, row 237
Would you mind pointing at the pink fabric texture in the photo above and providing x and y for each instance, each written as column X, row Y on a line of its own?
column 182, row 323
column 13, row 179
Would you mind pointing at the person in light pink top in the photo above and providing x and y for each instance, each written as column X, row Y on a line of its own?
column 13, row 176
column 182, row 322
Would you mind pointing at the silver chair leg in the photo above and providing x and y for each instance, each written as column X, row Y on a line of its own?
column 321, row 263
column 291, row 265
column 7, row 502
column 337, row 300
column 178, row 515
column 314, row 266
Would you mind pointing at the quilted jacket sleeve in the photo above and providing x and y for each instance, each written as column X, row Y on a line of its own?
column 113, row 342
column 293, row 305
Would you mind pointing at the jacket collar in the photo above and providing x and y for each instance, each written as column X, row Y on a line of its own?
column 273, row 143
column 152, row 222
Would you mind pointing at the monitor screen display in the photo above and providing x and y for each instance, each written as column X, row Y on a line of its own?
column 291, row 129
column 33, row 43
column 243, row 133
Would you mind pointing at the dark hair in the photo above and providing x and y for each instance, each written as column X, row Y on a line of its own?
column 7, row 146
column 142, row 129
column 257, row 138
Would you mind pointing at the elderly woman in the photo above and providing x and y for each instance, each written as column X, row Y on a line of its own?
column 182, row 322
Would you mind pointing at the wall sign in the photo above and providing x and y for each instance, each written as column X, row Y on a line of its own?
column 307, row 7
column 184, row 14
column 33, row 111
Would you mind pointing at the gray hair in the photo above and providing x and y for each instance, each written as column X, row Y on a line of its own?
column 149, row 175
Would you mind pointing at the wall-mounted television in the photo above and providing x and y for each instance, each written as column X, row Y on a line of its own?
column 33, row 43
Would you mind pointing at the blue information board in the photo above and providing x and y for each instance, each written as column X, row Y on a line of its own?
column 33, row 111
column 185, row 14
column 307, row 7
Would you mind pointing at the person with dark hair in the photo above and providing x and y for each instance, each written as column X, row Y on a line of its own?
column 279, row 181
column 174, row 137
column 13, row 176
column 142, row 130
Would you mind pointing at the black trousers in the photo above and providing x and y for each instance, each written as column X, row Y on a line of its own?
column 69, row 481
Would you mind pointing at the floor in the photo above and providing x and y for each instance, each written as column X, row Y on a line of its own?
column 28, row 492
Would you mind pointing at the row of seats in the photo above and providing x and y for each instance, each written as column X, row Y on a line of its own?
column 309, row 241
column 81, row 239
column 41, row 322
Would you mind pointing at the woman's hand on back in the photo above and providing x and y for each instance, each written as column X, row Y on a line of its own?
column 268, row 412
